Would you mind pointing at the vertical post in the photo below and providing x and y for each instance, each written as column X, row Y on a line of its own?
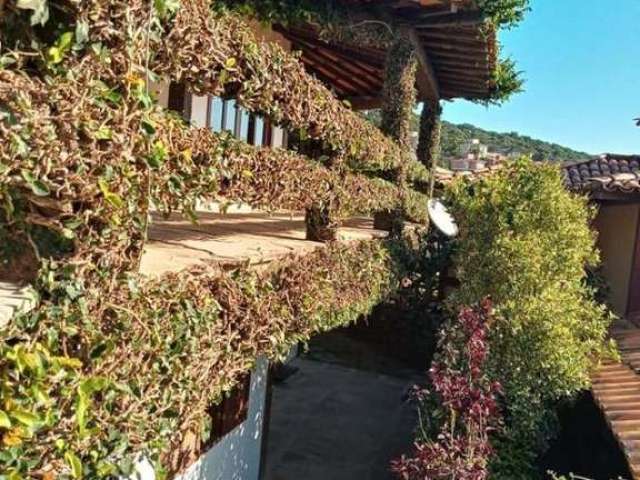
column 399, row 94
column 321, row 226
column 399, row 90
column 429, row 139
column 324, row 216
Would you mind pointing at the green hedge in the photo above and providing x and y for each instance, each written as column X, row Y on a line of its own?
column 525, row 242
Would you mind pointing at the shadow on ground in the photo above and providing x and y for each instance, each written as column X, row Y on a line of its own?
column 342, row 416
column 585, row 445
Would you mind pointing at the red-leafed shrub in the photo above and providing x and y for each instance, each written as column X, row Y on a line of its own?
column 463, row 405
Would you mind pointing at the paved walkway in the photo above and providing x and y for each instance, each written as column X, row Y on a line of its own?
column 331, row 422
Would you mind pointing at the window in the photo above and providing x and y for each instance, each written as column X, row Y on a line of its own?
column 216, row 106
column 227, row 115
column 243, row 130
column 258, row 131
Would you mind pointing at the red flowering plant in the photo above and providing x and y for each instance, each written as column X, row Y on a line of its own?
column 461, row 406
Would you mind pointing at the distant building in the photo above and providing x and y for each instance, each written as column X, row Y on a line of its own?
column 475, row 156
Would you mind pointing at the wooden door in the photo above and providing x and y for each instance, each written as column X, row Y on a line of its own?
column 633, row 309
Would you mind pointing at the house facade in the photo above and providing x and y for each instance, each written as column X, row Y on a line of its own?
column 613, row 184
column 355, row 77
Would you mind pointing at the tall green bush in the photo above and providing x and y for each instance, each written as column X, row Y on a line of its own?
column 525, row 242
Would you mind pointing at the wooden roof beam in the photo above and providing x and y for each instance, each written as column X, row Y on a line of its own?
column 365, row 102
column 335, row 69
column 328, row 76
column 456, row 19
column 426, row 77
column 366, row 55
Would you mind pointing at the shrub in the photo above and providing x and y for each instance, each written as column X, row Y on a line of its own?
column 456, row 435
column 524, row 242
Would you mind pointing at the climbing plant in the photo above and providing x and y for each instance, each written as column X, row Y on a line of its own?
column 504, row 12
column 428, row 150
column 111, row 364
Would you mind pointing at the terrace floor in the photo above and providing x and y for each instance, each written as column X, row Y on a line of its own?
column 228, row 239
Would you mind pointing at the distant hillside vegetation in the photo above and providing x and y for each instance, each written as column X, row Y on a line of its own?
column 509, row 144
column 512, row 144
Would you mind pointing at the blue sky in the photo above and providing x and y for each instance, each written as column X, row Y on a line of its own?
column 581, row 62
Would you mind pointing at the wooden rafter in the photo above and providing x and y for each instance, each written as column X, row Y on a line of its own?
column 457, row 53
column 427, row 80
column 352, row 82
column 353, row 70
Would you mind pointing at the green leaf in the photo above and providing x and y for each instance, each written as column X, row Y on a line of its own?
column 103, row 133
column 28, row 176
column 38, row 187
column 148, row 126
column 5, row 421
column 223, row 77
column 55, row 55
column 28, row 419
column 166, row 8
column 158, row 155
column 68, row 234
column 74, row 463
column 73, row 224
column 82, row 31
column 111, row 198
column 69, row 362
column 83, row 401
column 82, row 407
column 65, row 41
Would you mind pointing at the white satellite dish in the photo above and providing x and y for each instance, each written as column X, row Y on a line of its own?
column 441, row 218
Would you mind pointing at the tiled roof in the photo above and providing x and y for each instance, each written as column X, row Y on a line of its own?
column 616, row 389
column 608, row 173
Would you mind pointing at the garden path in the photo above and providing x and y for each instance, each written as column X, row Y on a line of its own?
column 342, row 416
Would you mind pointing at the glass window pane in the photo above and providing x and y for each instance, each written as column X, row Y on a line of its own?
column 230, row 117
column 259, row 131
column 215, row 114
column 244, row 125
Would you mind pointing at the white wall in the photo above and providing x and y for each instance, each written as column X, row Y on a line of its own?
column 237, row 455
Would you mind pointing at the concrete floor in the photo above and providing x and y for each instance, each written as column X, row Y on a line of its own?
column 332, row 422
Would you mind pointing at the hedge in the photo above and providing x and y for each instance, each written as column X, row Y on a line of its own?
column 525, row 242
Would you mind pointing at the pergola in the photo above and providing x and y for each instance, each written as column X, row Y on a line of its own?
column 455, row 45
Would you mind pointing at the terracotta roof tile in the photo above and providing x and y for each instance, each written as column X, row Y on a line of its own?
column 607, row 173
